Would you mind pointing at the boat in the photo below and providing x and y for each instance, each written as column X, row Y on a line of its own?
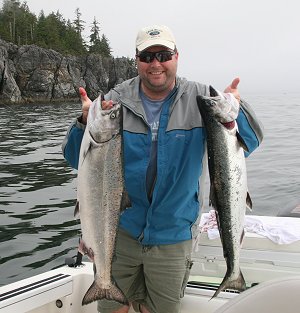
column 271, row 270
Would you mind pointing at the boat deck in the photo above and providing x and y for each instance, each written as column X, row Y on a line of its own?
column 61, row 290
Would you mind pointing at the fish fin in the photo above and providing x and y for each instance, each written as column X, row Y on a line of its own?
column 242, row 236
column 213, row 92
column 81, row 247
column 236, row 284
column 85, row 152
column 95, row 292
column 248, row 202
column 212, row 196
column 125, row 201
column 219, row 227
column 85, row 250
column 76, row 211
column 242, row 141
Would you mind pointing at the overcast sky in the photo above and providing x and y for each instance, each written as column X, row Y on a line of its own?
column 257, row 40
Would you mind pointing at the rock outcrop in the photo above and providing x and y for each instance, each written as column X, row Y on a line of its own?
column 33, row 74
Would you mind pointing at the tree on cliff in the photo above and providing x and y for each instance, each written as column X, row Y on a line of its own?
column 78, row 22
column 20, row 26
column 55, row 33
column 17, row 22
column 98, row 45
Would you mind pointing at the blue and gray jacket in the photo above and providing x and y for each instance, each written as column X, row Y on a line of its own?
column 173, row 212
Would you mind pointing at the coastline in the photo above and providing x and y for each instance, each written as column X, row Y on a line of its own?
column 31, row 74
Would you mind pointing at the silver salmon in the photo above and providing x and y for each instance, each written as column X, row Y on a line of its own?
column 101, row 196
column 228, row 180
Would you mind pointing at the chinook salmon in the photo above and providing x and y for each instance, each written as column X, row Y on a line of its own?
column 228, row 180
column 101, row 196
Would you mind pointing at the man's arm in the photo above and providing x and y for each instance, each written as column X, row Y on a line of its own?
column 250, row 128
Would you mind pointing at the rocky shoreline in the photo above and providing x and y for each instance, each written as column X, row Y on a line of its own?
column 31, row 74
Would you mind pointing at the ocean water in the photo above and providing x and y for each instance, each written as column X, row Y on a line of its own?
column 38, row 188
column 274, row 168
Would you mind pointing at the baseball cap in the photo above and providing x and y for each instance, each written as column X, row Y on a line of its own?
column 156, row 35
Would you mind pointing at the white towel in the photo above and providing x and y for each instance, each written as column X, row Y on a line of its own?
column 281, row 230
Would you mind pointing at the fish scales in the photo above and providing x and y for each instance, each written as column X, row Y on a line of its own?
column 101, row 197
column 228, row 181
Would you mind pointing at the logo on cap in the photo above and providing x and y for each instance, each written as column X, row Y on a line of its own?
column 154, row 33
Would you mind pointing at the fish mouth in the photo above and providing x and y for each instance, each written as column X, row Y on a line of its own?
column 105, row 139
column 229, row 125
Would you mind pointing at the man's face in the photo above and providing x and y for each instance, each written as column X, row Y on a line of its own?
column 158, row 77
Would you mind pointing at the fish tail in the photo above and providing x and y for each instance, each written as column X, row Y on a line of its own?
column 95, row 293
column 227, row 283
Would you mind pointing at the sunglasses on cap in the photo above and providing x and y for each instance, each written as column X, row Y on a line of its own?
column 160, row 56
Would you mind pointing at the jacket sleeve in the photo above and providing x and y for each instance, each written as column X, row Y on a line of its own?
column 250, row 128
column 71, row 143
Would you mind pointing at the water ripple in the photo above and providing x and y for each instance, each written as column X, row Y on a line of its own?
column 37, row 190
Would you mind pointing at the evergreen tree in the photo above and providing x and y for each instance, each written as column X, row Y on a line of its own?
column 20, row 26
column 41, row 30
column 78, row 22
column 98, row 45
column 10, row 9
column 105, row 48
column 95, row 32
column 17, row 22
column 73, row 41
column 26, row 24
column 5, row 22
column 95, row 42
column 53, row 27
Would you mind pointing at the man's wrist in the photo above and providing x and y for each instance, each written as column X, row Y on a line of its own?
column 82, row 119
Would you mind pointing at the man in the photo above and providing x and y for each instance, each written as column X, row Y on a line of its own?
column 164, row 149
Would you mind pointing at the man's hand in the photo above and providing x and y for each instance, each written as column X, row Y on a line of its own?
column 86, row 103
column 232, row 88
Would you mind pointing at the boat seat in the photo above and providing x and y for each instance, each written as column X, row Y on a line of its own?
column 274, row 296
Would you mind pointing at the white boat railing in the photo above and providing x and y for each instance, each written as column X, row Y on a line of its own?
column 56, row 291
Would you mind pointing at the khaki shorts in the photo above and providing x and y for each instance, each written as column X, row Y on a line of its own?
column 154, row 276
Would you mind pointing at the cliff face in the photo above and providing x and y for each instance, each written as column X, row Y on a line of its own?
column 33, row 74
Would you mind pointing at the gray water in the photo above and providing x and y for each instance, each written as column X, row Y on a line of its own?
column 38, row 188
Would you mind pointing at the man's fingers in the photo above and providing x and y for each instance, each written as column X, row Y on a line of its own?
column 233, row 88
column 85, row 100
column 82, row 93
column 235, row 83
column 106, row 105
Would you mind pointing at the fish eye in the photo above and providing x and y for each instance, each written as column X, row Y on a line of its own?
column 113, row 115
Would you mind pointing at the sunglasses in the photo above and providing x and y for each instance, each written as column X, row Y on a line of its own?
column 160, row 56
